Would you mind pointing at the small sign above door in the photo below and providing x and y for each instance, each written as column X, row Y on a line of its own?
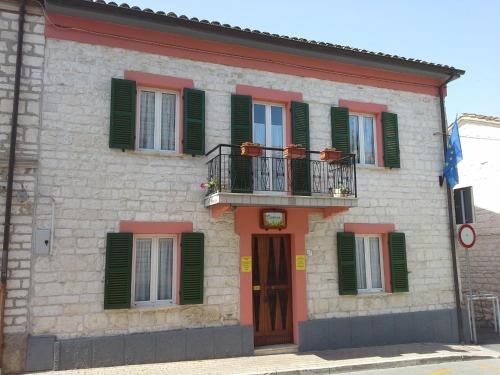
column 273, row 219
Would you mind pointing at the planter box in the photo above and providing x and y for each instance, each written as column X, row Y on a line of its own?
column 330, row 155
column 295, row 152
column 251, row 150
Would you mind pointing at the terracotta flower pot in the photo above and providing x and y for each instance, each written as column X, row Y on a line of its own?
column 252, row 150
column 327, row 154
column 295, row 152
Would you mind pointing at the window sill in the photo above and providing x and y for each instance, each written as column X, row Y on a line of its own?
column 158, row 153
column 165, row 306
column 370, row 294
column 370, row 167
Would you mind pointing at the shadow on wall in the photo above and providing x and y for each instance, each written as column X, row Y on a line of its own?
column 484, row 262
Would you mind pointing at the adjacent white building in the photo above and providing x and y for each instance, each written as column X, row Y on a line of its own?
column 480, row 169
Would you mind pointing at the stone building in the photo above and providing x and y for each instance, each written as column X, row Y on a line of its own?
column 480, row 169
column 117, row 255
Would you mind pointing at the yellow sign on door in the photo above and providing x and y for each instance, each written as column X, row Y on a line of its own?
column 246, row 264
column 300, row 262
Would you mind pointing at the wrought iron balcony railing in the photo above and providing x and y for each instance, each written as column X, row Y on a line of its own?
column 229, row 171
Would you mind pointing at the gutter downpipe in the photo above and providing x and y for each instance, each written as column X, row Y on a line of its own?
column 444, row 131
column 10, row 176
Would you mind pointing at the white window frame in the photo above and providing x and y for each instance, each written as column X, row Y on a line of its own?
column 268, row 153
column 153, row 285
column 361, row 138
column 157, row 131
column 368, row 269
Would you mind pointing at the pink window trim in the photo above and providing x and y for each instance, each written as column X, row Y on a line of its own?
column 379, row 229
column 372, row 109
column 276, row 96
column 161, row 227
column 157, row 81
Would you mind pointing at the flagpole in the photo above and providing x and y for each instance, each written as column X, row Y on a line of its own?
column 451, row 225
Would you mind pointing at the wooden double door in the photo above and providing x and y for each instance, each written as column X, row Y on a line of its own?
column 272, row 290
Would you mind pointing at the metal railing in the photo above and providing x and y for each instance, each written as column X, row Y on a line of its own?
column 229, row 171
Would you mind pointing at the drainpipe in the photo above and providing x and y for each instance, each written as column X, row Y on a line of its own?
column 10, row 176
column 444, row 131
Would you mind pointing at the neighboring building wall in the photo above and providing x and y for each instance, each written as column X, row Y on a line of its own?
column 96, row 187
column 16, row 311
column 480, row 168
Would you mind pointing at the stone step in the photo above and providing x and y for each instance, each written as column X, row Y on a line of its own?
column 276, row 349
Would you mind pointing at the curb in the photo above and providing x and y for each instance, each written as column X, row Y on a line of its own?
column 335, row 369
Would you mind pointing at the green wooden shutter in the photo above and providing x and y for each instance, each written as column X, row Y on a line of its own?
column 192, row 260
column 122, row 124
column 340, row 129
column 346, row 255
column 194, row 122
column 118, row 270
column 301, row 176
column 399, row 268
column 391, row 140
column 241, row 131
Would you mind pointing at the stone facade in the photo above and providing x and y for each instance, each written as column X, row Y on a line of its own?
column 67, row 168
column 480, row 168
column 95, row 187
column 16, row 311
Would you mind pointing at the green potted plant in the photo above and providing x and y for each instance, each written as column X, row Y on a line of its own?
column 210, row 186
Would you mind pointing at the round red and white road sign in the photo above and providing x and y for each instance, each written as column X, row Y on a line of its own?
column 466, row 236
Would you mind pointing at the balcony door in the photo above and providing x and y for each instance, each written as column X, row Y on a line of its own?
column 269, row 170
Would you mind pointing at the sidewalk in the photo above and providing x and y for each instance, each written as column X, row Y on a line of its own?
column 321, row 362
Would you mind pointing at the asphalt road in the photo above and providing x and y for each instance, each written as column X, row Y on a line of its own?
column 478, row 367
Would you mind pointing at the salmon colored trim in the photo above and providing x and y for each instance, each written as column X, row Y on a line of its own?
column 162, row 82
column 380, row 229
column 168, row 44
column 328, row 212
column 373, row 109
column 161, row 227
column 158, row 81
column 217, row 210
column 156, row 227
column 269, row 95
column 247, row 223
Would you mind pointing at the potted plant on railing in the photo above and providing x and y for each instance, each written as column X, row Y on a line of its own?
column 295, row 152
column 341, row 191
column 330, row 154
column 251, row 149
column 210, row 186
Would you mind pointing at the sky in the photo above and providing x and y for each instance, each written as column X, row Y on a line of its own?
column 464, row 34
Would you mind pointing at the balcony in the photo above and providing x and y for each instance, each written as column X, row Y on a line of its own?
column 273, row 180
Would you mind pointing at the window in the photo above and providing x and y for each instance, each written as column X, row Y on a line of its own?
column 362, row 138
column 464, row 205
column 268, row 130
column 369, row 264
column 153, row 276
column 158, row 120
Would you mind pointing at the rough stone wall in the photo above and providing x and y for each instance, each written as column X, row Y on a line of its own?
column 480, row 169
column 16, row 312
column 96, row 187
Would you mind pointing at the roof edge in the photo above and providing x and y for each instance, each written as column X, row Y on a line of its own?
column 298, row 44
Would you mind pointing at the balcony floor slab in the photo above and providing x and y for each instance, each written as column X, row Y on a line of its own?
column 314, row 201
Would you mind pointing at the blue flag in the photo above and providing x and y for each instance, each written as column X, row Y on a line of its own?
column 453, row 156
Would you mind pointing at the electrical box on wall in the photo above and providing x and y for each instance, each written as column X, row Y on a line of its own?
column 42, row 241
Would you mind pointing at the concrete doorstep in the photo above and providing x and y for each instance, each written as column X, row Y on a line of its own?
column 319, row 362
